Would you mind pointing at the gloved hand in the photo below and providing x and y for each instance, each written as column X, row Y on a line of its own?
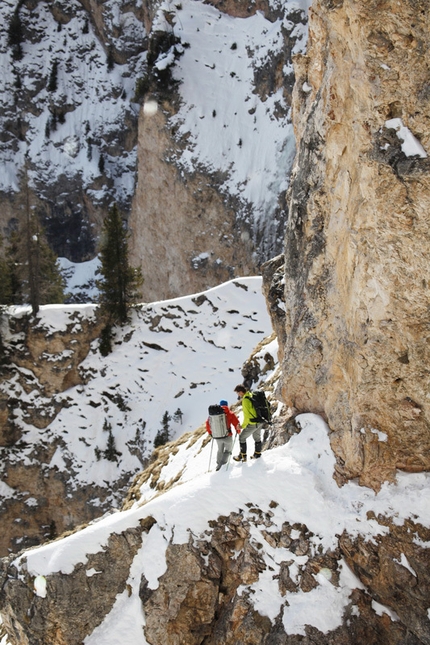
column 238, row 429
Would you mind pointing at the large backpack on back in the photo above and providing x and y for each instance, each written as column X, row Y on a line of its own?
column 262, row 407
column 217, row 422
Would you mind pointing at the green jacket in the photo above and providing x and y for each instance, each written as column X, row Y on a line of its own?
column 248, row 411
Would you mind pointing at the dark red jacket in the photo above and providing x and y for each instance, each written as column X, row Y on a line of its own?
column 232, row 420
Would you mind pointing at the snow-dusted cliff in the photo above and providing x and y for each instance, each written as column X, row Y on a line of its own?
column 204, row 182
column 76, row 427
column 68, row 117
column 216, row 143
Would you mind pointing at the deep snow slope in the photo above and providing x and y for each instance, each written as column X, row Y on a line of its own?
column 173, row 360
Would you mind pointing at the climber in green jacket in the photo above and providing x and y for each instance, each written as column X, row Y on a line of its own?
column 249, row 425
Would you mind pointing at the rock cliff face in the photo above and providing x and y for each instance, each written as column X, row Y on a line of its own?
column 46, row 364
column 213, row 163
column 215, row 146
column 174, row 218
column 357, row 242
column 69, row 123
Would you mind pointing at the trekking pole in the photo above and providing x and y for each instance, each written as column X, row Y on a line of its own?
column 229, row 459
column 210, row 456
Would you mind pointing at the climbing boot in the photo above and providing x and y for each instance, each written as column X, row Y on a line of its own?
column 240, row 457
column 257, row 451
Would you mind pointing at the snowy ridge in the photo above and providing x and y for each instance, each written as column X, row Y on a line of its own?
column 295, row 482
column 181, row 354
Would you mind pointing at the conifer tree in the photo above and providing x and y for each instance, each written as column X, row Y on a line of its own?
column 12, row 256
column 32, row 269
column 36, row 277
column 53, row 77
column 16, row 34
column 105, row 345
column 111, row 453
column 110, row 60
column 120, row 282
column 163, row 435
column 51, row 280
column 177, row 416
column 5, row 298
column 5, row 280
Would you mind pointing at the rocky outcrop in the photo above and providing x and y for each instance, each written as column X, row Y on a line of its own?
column 273, row 273
column 93, row 587
column 395, row 570
column 42, row 363
column 69, row 121
column 205, row 594
column 45, row 359
column 175, row 217
column 357, row 242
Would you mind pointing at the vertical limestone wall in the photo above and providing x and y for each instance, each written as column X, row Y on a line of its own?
column 175, row 216
column 357, row 243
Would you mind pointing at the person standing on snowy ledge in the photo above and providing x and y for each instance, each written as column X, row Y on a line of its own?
column 250, row 425
column 224, row 443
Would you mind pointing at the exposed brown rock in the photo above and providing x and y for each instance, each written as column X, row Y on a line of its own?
column 53, row 358
column 175, row 219
column 76, row 603
column 182, row 609
column 273, row 273
column 47, row 362
column 203, row 597
column 396, row 571
column 357, row 241
column 244, row 8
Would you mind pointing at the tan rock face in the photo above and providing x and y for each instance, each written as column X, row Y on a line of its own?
column 77, row 602
column 183, row 233
column 202, row 596
column 42, row 506
column 395, row 570
column 243, row 8
column 357, row 241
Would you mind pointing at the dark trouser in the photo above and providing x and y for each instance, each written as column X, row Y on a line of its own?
column 253, row 429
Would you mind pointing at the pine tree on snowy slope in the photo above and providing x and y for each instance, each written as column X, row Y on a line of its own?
column 120, row 282
column 30, row 272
